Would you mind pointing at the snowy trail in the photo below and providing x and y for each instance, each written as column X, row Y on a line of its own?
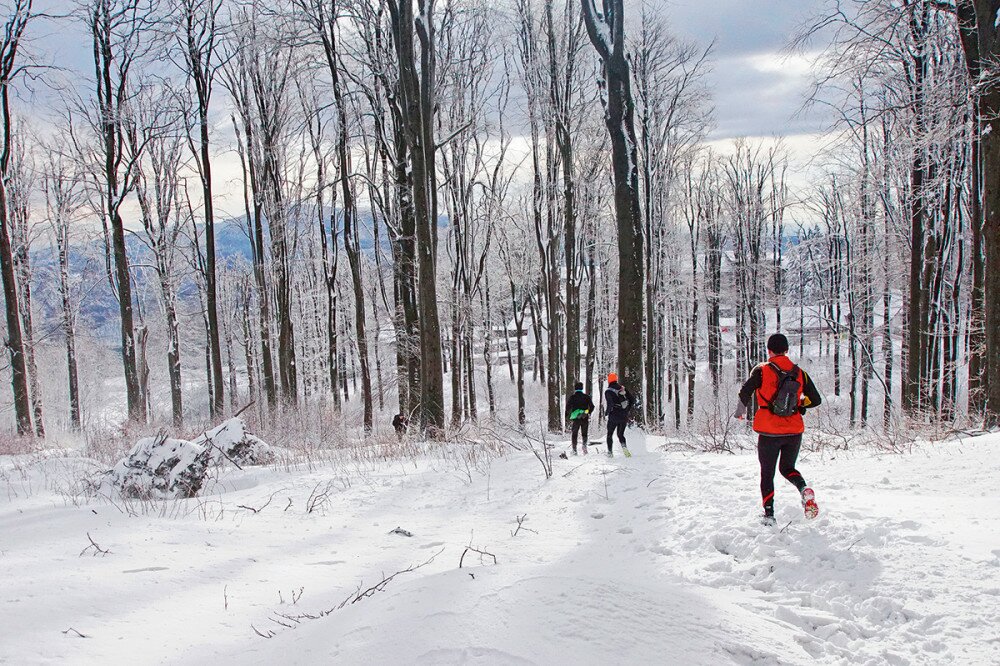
column 898, row 569
column 654, row 559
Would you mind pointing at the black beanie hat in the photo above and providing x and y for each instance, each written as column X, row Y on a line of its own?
column 777, row 343
column 579, row 386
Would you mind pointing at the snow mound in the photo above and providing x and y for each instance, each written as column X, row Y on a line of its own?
column 162, row 467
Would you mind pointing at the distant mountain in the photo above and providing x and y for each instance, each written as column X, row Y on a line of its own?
column 99, row 305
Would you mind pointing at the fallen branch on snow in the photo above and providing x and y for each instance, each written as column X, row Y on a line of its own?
column 317, row 498
column 262, row 507
column 269, row 634
column 520, row 526
column 482, row 553
column 352, row 598
column 97, row 549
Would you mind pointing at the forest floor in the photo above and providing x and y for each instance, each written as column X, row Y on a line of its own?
column 654, row 559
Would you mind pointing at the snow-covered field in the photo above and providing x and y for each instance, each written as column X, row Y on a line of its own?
column 654, row 559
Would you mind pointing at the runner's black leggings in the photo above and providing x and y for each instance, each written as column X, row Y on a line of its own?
column 580, row 426
column 769, row 449
column 612, row 427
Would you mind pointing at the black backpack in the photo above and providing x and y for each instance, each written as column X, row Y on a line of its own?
column 785, row 401
column 627, row 401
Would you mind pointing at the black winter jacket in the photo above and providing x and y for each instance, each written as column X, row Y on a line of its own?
column 579, row 400
column 618, row 402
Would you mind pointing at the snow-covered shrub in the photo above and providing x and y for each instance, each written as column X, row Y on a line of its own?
column 164, row 467
column 12, row 445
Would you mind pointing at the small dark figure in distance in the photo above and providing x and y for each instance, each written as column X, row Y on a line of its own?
column 578, row 409
column 783, row 393
column 399, row 423
column 619, row 404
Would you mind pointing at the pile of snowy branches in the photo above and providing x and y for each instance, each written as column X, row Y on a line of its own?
column 165, row 468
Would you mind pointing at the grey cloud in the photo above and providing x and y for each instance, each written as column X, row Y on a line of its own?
column 748, row 101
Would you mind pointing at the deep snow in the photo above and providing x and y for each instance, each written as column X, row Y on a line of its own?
column 654, row 559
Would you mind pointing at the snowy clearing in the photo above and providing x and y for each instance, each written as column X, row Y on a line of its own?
column 654, row 559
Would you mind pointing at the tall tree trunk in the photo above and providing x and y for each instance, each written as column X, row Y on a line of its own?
column 977, row 332
column 607, row 33
column 14, row 342
column 519, row 323
column 713, row 297
column 484, row 297
column 255, row 232
column 22, row 267
column 913, row 377
column 68, row 319
column 352, row 247
column 173, row 351
column 418, row 95
column 977, row 22
column 198, row 40
column 991, row 251
column 111, row 68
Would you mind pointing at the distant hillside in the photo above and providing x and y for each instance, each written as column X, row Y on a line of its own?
column 99, row 306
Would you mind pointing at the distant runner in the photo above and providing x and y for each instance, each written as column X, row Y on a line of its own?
column 578, row 410
column 619, row 403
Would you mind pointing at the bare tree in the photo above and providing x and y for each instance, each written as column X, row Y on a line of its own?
column 61, row 186
column 198, row 35
column 237, row 82
column 607, row 32
column 980, row 36
column 325, row 17
column 14, row 29
column 160, row 196
column 20, row 183
column 258, row 75
column 120, row 30
column 417, row 92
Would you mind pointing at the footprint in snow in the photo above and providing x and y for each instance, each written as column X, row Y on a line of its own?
column 597, row 516
column 919, row 539
column 624, row 530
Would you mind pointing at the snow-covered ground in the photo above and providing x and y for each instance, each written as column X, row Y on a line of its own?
column 654, row 559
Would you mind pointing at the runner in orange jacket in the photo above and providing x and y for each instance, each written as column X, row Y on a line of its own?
column 779, row 435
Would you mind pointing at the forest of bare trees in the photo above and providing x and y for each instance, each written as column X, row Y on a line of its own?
column 455, row 210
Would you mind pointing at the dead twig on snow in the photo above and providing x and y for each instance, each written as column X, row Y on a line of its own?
column 482, row 553
column 317, row 498
column 262, row 507
column 269, row 634
column 97, row 549
column 352, row 598
column 520, row 526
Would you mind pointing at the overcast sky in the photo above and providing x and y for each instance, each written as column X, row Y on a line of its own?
column 757, row 89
